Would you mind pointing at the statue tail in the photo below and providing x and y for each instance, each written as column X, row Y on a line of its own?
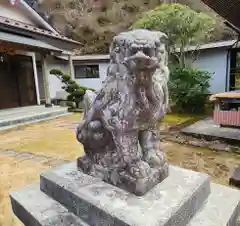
column 88, row 100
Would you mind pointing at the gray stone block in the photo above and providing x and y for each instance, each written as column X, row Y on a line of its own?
column 34, row 208
column 235, row 177
column 26, row 118
column 170, row 203
column 221, row 209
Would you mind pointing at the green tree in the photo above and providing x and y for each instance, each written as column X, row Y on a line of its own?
column 189, row 88
column 183, row 26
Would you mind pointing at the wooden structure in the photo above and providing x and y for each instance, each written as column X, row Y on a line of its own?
column 227, row 105
column 26, row 40
column 227, row 108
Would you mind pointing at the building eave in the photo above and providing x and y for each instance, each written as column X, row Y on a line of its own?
column 48, row 30
column 227, row 9
column 212, row 45
column 33, row 44
column 21, row 28
column 93, row 57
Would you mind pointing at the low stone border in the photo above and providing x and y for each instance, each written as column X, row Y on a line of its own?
column 174, row 134
column 215, row 145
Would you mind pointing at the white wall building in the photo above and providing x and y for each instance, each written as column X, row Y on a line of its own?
column 218, row 58
column 89, row 71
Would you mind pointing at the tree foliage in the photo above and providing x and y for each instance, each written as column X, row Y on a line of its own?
column 183, row 26
column 95, row 22
column 188, row 89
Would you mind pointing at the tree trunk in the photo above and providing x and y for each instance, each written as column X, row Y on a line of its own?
column 169, row 1
column 182, row 56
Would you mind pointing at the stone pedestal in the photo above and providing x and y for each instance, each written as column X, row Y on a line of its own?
column 235, row 177
column 66, row 196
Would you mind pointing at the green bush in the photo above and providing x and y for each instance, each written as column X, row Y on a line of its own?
column 56, row 72
column 188, row 89
column 66, row 77
column 75, row 91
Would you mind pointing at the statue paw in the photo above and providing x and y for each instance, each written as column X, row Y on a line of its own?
column 139, row 169
column 154, row 158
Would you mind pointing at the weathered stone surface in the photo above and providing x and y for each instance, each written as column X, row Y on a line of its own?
column 177, row 201
column 235, row 177
column 170, row 203
column 119, row 130
column 208, row 128
column 34, row 208
column 221, row 209
column 136, row 186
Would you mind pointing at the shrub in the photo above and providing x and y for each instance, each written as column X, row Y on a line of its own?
column 56, row 72
column 75, row 91
column 188, row 89
column 66, row 77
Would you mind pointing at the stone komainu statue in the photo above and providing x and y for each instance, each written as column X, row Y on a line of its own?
column 119, row 131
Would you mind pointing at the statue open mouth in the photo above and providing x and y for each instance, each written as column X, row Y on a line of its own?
column 141, row 61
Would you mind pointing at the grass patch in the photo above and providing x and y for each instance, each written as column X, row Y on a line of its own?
column 176, row 119
column 181, row 119
column 218, row 165
column 56, row 139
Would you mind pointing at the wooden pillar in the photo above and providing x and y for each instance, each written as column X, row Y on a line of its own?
column 36, row 78
column 71, row 67
column 46, row 81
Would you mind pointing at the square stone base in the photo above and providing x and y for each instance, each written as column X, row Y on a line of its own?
column 172, row 202
column 136, row 186
column 70, row 198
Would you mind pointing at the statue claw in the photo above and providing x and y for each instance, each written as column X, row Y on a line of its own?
column 154, row 158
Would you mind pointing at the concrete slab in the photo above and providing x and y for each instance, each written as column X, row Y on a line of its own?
column 207, row 127
column 34, row 208
column 18, row 117
column 221, row 209
column 170, row 203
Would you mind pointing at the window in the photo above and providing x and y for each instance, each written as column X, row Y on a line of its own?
column 86, row 71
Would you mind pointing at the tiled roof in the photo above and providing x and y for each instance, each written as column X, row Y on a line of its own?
column 16, row 24
column 228, row 9
column 212, row 45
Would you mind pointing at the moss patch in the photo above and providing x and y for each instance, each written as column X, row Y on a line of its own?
column 176, row 120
